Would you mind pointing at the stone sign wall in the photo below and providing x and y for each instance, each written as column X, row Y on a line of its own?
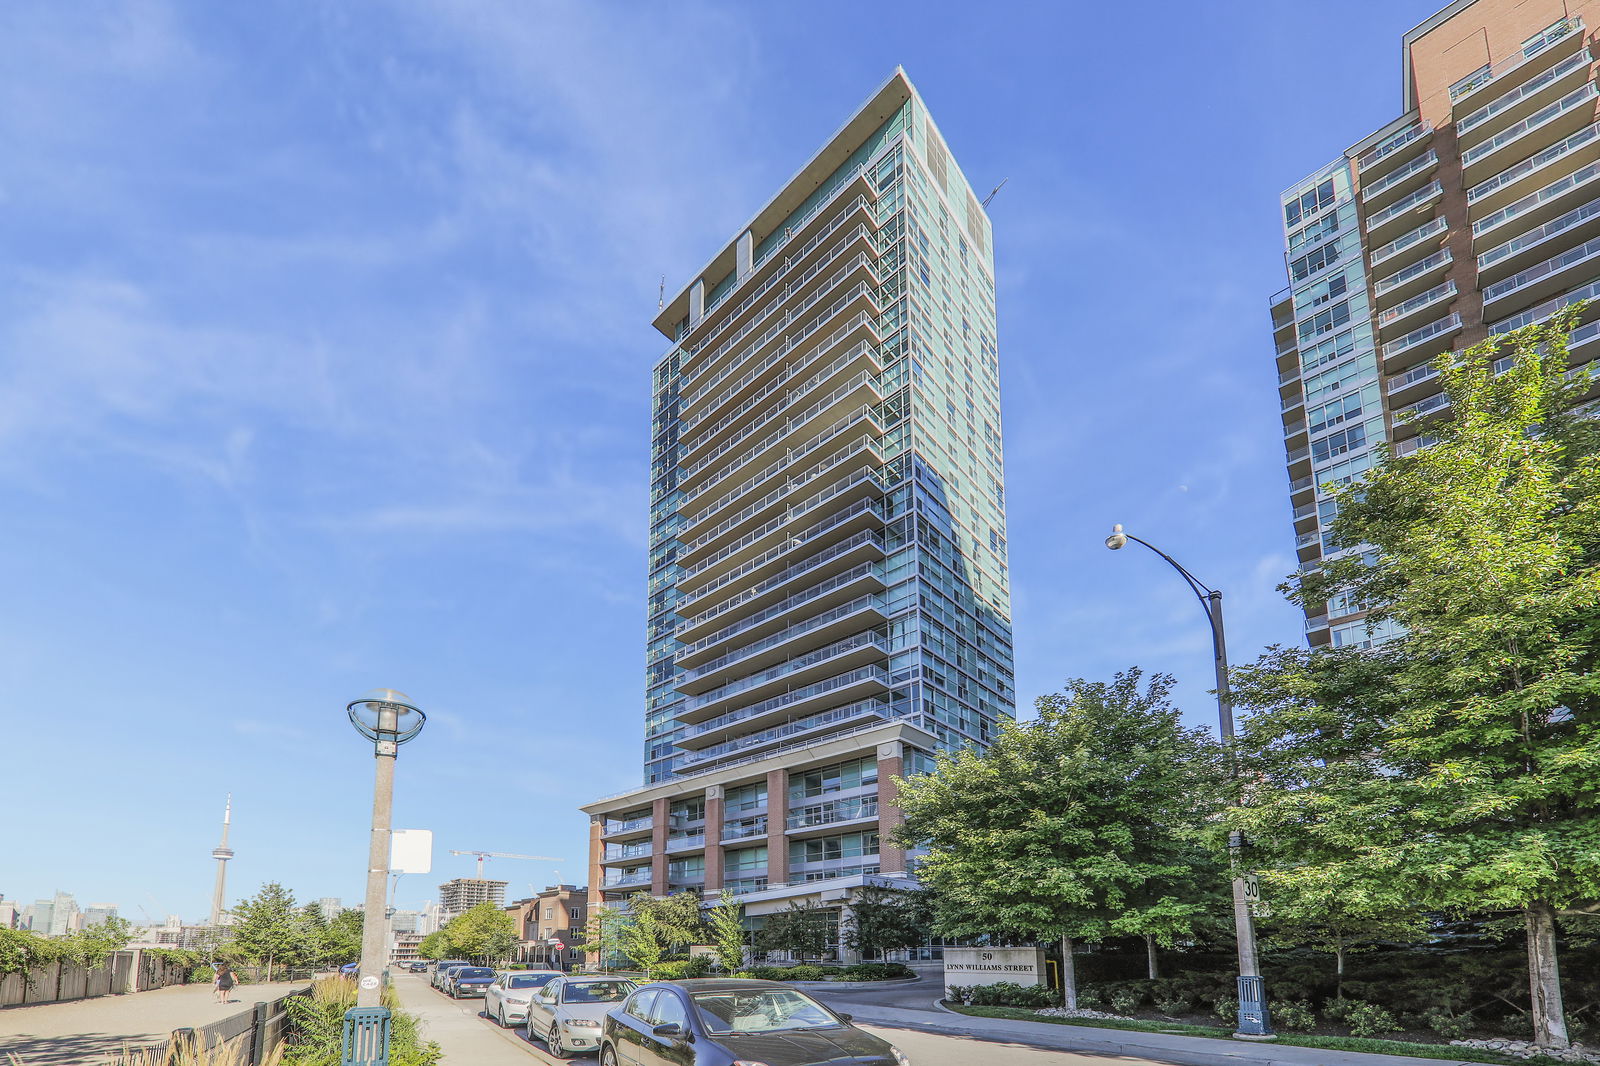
column 987, row 966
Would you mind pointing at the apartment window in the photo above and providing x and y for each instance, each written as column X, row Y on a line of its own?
column 1335, row 444
column 549, row 912
column 1321, row 256
column 1316, row 231
column 745, row 798
column 1325, row 321
column 1309, row 203
column 1343, row 409
column 744, row 859
column 845, row 846
column 575, row 914
column 852, row 774
column 1320, row 293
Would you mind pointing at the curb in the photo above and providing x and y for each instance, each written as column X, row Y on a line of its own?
column 850, row 986
column 1229, row 1054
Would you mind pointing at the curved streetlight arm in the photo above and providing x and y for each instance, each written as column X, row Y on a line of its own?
column 1210, row 603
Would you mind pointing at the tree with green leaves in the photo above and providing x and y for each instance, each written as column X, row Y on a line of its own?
column 485, row 933
column 269, row 928
column 434, row 946
column 802, row 929
column 602, row 935
column 728, row 934
column 93, row 944
column 676, row 918
column 1094, row 810
column 1470, row 780
column 881, row 919
column 339, row 939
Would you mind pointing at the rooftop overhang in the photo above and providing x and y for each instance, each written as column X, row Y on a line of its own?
column 879, row 107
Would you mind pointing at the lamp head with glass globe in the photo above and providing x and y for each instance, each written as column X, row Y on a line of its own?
column 386, row 717
column 1118, row 538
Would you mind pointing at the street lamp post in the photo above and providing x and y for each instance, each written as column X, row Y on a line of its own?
column 1254, row 1021
column 388, row 719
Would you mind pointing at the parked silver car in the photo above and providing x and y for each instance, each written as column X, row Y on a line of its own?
column 566, row 1013
column 506, row 1001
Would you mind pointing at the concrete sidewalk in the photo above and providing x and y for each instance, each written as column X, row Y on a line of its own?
column 465, row 1037
column 1156, row 1047
column 86, row 1031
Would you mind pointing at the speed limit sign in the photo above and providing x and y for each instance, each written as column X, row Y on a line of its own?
column 1252, row 888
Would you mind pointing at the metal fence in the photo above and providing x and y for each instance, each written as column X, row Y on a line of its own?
column 250, row 1035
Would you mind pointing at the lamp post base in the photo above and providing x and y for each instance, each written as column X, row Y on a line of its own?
column 1254, row 1022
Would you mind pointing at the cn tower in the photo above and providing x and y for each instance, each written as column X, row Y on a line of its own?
column 222, row 853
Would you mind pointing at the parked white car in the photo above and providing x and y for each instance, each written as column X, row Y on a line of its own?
column 566, row 1013
column 506, row 1001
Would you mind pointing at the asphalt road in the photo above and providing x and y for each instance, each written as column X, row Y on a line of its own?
column 469, row 1038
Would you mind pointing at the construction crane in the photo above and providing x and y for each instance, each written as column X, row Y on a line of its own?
column 502, row 855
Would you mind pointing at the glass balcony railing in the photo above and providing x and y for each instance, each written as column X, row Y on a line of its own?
column 1516, row 131
column 744, row 828
column 1420, row 372
column 861, row 416
column 629, row 825
column 1416, row 131
column 805, row 693
column 1418, row 269
column 1557, row 188
column 1544, row 310
column 628, row 880
column 848, row 810
column 1540, row 234
column 783, row 636
column 1515, row 173
column 1559, row 32
column 1427, row 404
column 1416, row 303
column 1450, row 323
column 1425, row 161
column 850, row 712
column 630, row 851
column 1586, row 252
column 810, row 503
column 1407, row 240
column 1499, row 104
column 777, row 610
column 789, row 573
column 821, row 655
column 1428, row 192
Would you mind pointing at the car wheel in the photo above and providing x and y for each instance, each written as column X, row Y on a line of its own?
column 608, row 1057
column 553, row 1041
column 500, row 1016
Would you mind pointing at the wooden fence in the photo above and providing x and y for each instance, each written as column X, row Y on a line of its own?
column 250, row 1035
column 57, row 982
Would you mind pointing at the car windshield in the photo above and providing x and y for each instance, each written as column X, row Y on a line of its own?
column 596, row 991
column 764, row 1010
column 474, row 971
column 529, row 980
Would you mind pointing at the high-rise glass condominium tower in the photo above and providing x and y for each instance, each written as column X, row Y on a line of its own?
column 1474, row 213
column 829, row 600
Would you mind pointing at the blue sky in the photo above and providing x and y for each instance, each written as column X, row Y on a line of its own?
column 324, row 364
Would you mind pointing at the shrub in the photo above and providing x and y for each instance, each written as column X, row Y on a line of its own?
column 698, row 966
column 1368, row 1019
column 1126, row 1000
column 959, row 993
column 875, row 971
column 1008, row 994
column 769, row 973
column 1090, row 997
column 1171, row 1003
column 805, row 972
column 1294, row 1014
column 1447, row 1024
column 1226, row 1008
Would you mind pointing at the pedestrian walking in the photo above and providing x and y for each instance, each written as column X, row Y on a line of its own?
column 224, row 982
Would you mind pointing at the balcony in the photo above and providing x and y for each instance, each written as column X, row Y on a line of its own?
column 1373, row 195
column 628, row 827
column 1402, row 249
column 1394, row 320
column 1577, row 225
column 817, row 815
column 1424, row 343
column 1316, row 622
column 1552, row 122
column 779, row 287
column 628, row 880
column 1520, row 102
column 774, row 568
column 744, row 828
column 1543, row 311
column 852, row 685
column 686, row 842
column 819, row 629
column 1394, row 151
column 856, row 712
column 820, row 444
column 1391, row 220
column 625, row 852
column 1420, row 374
column 863, row 448
column 1518, row 180
column 856, row 650
column 723, row 388
column 1405, row 283
column 1302, row 484
column 1427, row 405
column 1537, row 208
column 1558, row 41
column 1543, row 279
column 864, row 483
column 842, row 587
